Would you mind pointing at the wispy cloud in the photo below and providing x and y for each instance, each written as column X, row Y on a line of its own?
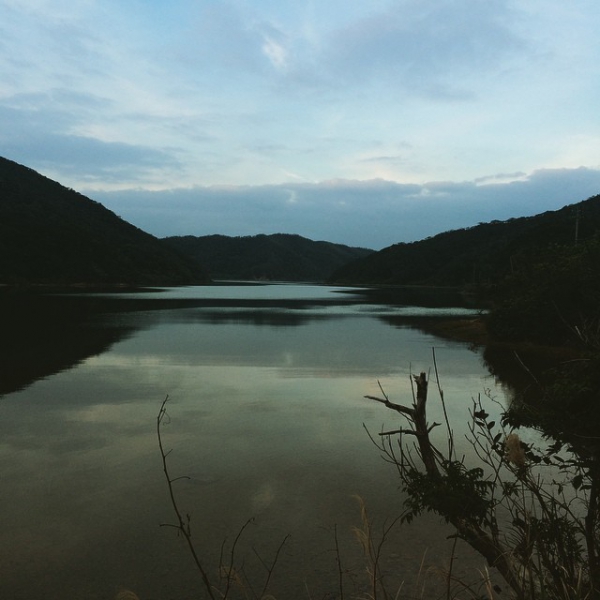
column 42, row 138
column 431, row 48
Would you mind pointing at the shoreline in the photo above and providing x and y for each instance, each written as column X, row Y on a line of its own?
column 473, row 331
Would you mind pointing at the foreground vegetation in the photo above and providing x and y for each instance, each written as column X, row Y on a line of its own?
column 532, row 513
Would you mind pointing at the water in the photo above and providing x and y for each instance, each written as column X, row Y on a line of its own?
column 267, row 419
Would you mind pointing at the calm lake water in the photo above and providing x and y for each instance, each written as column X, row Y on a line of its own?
column 267, row 418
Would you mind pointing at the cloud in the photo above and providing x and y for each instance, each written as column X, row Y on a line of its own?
column 500, row 177
column 39, row 138
column 275, row 45
column 275, row 52
column 372, row 214
column 426, row 47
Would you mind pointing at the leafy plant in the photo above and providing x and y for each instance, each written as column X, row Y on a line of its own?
column 531, row 513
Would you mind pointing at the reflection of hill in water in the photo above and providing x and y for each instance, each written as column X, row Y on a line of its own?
column 259, row 317
column 47, row 333
column 43, row 335
column 552, row 389
column 425, row 296
column 519, row 368
column 528, row 371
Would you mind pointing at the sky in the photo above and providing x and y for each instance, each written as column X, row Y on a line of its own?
column 365, row 123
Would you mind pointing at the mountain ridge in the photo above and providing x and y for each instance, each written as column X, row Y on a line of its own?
column 271, row 257
column 51, row 234
column 475, row 255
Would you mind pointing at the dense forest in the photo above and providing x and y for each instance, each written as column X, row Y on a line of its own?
column 278, row 257
column 544, row 317
column 52, row 234
column 478, row 255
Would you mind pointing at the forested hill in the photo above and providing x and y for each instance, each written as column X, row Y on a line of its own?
column 479, row 254
column 277, row 257
column 52, row 235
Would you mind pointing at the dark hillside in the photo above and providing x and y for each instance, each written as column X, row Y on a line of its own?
column 479, row 254
column 278, row 257
column 52, row 234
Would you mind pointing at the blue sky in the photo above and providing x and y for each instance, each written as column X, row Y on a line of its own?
column 364, row 123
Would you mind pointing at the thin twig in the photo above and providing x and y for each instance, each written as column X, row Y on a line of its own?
column 230, row 567
column 181, row 525
column 338, row 560
column 271, row 568
column 441, row 393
